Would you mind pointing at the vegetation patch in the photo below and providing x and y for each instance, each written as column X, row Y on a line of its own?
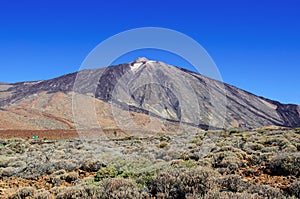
column 214, row 164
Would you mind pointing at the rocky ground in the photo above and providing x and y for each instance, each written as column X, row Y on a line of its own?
column 263, row 163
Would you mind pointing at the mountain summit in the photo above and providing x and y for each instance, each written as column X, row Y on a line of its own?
column 145, row 88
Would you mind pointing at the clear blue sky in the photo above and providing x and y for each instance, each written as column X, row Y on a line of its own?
column 255, row 44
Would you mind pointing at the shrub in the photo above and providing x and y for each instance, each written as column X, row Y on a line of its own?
column 106, row 172
column 84, row 192
column 254, row 160
column 42, row 194
column 133, row 164
column 197, row 141
column 189, row 155
column 3, row 142
column 23, row 192
column 163, row 144
column 226, row 159
column 289, row 148
column 17, row 145
column 266, row 191
column 92, row 165
column 297, row 130
column 233, row 131
column 56, row 180
column 120, row 188
column 17, row 164
column 70, row 177
column 57, row 176
column 188, row 164
column 255, row 146
column 71, row 193
column 285, row 164
column 8, row 171
column 128, row 137
column 270, row 149
column 261, row 131
column 166, row 185
column 216, row 194
column 295, row 189
column 199, row 181
column 11, row 167
column 298, row 146
column 5, row 160
column 67, row 165
column 233, row 183
column 173, row 154
column 277, row 141
column 59, row 172
column 178, row 183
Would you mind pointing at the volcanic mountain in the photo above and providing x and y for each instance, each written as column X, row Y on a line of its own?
column 142, row 91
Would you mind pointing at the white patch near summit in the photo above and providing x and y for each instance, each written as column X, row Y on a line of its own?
column 138, row 63
column 135, row 66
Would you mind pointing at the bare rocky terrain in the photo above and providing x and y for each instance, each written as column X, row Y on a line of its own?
column 143, row 87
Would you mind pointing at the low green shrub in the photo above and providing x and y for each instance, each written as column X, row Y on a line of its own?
column 233, row 131
column 188, row 164
column 163, row 144
column 297, row 130
column 106, row 172
column 261, row 131
column 197, row 141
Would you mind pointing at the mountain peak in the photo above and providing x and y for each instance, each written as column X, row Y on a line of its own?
column 141, row 60
column 138, row 63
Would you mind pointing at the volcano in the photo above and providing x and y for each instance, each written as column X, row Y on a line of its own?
column 143, row 90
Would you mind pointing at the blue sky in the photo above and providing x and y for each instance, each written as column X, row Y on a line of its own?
column 255, row 44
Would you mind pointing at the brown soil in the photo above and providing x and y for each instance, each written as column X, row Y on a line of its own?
column 259, row 175
column 43, row 134
column 55, row 134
